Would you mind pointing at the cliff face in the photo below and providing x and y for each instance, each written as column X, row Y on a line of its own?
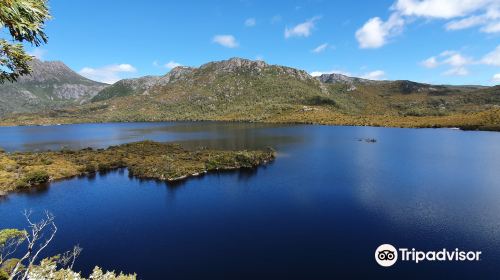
column 50, row 85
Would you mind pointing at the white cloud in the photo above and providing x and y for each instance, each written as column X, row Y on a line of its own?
column 319, row 73
column 460, row 14
column 492, row 58
column 491, row 28
column 227, row 41
column 38, row 53
column 169, row 65
column 457, row 71
column 496, row 78
column 444, row 9
column 431, row 62
column 465, row 23
column 320, row 48
column 489, row 21
column 108, row 74
column 250, row 22
column 172, row 64
column 374, row 75
column 454, row 60
column 375, row 32
column 302, row 29
column 459, row 63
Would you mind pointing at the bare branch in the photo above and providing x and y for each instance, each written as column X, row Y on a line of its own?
column 67, row 260
column 38, row 230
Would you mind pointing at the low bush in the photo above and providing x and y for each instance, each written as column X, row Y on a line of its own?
column 35, row 178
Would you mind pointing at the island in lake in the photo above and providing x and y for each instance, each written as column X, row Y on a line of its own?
column 146, row 159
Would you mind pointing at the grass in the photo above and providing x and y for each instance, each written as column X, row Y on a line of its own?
column 145, row 159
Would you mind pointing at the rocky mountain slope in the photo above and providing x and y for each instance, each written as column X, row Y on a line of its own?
column 51, row 85
column 235, row 87
column 246, row 90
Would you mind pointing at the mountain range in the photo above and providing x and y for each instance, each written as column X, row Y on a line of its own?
column 244, row 90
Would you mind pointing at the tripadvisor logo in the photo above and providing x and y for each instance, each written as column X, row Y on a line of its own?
column 387, row 255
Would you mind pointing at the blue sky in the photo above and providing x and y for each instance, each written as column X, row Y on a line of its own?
column 435, row 41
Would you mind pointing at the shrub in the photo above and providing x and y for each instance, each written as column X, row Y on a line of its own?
column 35, row 178
column 101, row 166
column 4, row 275
column 89, row 167
column 320, row 100
column 46, row 161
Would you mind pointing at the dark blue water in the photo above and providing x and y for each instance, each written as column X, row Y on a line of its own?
column 318, row 212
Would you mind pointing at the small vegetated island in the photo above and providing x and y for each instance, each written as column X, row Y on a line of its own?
column 146, row 159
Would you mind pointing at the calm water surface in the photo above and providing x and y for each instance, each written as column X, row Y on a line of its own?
column 317, row 212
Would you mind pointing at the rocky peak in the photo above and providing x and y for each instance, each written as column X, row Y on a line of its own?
column 176, row 74
column 335, row 78
column 235, row 64
column 52, row 72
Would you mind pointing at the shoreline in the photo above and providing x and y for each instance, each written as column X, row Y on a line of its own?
column 465, row 127
column 147, row 159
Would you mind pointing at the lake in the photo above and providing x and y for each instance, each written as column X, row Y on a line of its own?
column 318, row 211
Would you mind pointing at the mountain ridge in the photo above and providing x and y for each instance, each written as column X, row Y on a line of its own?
column 50, row 85
column 245, row 90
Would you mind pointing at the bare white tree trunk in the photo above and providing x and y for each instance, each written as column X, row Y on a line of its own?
column 37, row 233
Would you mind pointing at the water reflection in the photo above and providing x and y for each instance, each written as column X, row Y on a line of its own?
column 203, row 134
column 326, row 193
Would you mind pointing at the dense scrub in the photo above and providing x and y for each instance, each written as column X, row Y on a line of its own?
column 145, row 159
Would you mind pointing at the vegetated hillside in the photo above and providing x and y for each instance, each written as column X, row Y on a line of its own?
column 50, row 85
column 240, row 89
column 235, row 88
column 126, row 87
column 407, row 98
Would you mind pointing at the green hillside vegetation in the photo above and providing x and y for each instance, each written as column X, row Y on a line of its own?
column 244, row 90
column 125, row 88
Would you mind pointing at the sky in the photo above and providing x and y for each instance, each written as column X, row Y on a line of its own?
column 433, row 41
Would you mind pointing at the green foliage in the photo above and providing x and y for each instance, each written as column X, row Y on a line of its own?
column 8, row 235
column 48, row 269
column 116, row 90
column 320, row 100
column 145, row 159
column 13, row 60
column 25, row 20
column 8, row 266
column 32, row 178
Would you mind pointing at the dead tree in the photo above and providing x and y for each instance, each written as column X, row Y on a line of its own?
column 38, row 237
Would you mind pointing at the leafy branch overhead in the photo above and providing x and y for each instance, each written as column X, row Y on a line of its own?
column 25, row 20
